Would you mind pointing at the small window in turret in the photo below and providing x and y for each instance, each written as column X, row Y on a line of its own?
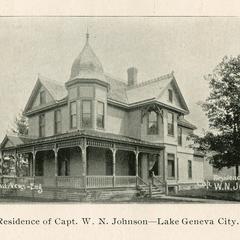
column 86, row 113
column 100, row 114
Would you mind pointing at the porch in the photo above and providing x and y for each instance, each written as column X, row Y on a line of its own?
column 85, row 161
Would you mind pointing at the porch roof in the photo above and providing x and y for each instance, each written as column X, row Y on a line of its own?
column 110, row 137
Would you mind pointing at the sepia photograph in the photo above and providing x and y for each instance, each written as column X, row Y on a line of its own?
column 140, row 110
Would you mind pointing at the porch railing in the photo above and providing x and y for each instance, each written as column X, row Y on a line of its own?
column 45, row 181
column 70, row 181
column 24, row 180
column 75, row 181
column 125, row 181
column 99, row 181
column 157, row 180
column 140, row 182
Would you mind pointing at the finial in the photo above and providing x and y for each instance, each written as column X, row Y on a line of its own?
column 87, row 36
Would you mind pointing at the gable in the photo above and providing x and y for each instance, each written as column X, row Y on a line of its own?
column 147, row 90
column 177, row 98
column 8, row 143
column 36, row 100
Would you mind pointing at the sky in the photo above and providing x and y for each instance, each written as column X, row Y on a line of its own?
column 191, row 47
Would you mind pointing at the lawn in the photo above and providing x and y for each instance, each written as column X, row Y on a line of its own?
column 210, row 194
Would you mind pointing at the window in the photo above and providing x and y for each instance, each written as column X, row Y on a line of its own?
column 152, row 123
column 73, row 115
column 171, row 165
column 57, row 122
column 170, row 124
column 189, row 169
column 100, row 114
column 86, row 114
column 170, row 95
column 180, row 136
column 42, row 97
column 41, row 125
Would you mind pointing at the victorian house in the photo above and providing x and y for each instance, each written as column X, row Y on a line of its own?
column 98, row 132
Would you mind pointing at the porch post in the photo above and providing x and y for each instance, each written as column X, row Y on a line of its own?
column 1, row 157
column 83, row 148
column 16, row 163
column 114, row 165
column 55, row 160
column 55, row 150
column 136, row 165
column 165, row 167
column 34, row 163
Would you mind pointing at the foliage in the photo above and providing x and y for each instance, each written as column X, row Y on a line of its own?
column 222, row 108
column 20, row 125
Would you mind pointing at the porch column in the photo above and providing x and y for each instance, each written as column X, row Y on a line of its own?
column 34, row 163
column 83, row 148
column 136, row 165
column 114, row 165
column 161, row 165
column 136, row 160
column 55, row 161
column 1, row 157
column 16, row 163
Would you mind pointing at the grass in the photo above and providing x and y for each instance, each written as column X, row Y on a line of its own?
column 210, row 194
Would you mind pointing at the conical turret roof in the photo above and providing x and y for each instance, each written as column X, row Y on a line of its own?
column 87, row 65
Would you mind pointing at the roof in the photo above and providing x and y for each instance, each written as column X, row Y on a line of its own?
column 88, row 133
column 16, row 140
column 87, row 65
column 148, row 90
column 56, row 89
column 117, row 89
column 185, row 123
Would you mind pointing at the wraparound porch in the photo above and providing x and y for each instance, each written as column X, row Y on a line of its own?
column 87, row 162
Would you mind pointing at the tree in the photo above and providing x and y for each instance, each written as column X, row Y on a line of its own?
column 21, row 125
column 222, row 108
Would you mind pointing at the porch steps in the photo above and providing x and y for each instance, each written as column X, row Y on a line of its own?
column 157, row 191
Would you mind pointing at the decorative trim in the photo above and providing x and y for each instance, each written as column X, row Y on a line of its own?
column 99, row 143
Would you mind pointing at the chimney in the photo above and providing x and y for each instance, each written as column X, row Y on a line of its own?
column 132, row 76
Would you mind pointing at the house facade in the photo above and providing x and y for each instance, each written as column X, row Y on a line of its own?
column 97, row 131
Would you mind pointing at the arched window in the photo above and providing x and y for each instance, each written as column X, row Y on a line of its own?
column 152, row 123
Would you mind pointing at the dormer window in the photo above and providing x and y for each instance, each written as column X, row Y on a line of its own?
column 152, row 123
column 170, row 95
column 86, row 113
column 42, row 97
